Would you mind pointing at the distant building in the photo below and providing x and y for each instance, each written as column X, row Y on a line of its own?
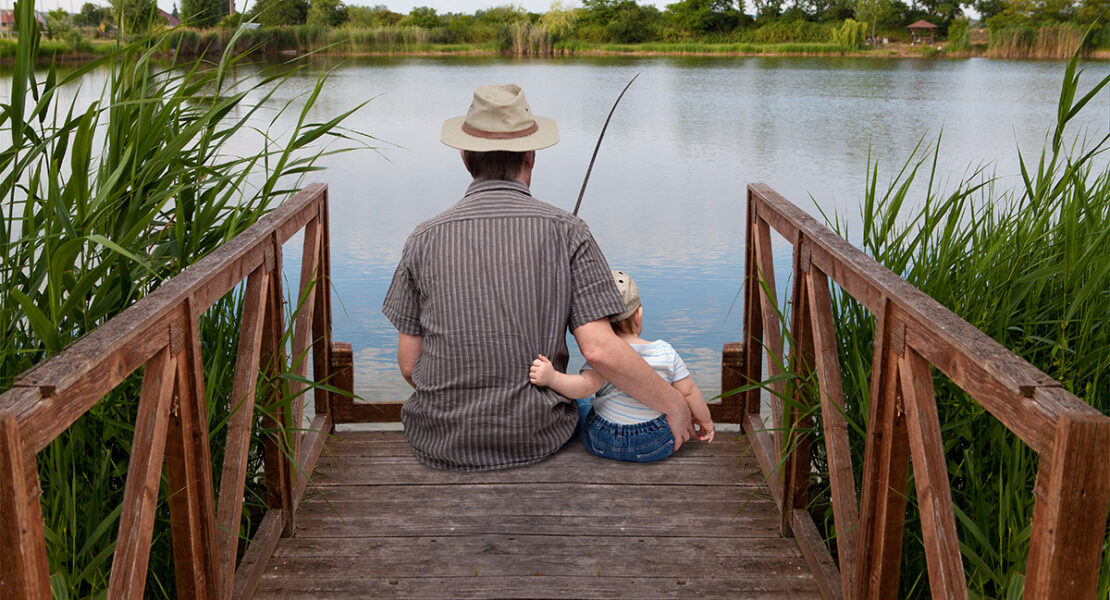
column 7, row 22
column 919, row 30
column 171, row 20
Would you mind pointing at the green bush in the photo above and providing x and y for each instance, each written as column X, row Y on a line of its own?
column 851, row 34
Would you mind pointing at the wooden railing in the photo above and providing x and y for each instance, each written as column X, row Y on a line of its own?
column 912, row 333
column 161, row 333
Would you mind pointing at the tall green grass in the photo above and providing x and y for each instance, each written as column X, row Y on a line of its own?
column 1030, row 267
column 99, row 204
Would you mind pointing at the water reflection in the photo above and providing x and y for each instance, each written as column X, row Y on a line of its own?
column 666, row 201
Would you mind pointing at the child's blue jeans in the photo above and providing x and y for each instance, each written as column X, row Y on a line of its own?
column 640, row 442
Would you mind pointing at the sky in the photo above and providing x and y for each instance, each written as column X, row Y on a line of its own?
column 401, row 6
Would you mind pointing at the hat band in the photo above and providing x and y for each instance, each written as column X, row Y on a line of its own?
column 499, row 135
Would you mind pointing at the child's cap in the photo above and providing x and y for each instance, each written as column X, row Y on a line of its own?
column 629, row 293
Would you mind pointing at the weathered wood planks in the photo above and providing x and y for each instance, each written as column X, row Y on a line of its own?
column 376, row 523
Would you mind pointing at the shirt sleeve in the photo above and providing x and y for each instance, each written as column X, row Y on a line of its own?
column 678, row 369
column 593, row 293
column 402, row 301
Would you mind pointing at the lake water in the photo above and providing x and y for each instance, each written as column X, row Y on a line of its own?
column 666, row 200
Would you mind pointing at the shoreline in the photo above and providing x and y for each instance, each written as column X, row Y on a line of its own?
column 891, row 51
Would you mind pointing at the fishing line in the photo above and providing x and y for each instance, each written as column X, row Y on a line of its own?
column 589, row 169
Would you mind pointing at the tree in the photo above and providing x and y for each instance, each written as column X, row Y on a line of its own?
column 135, row 16
column 703, row 16
column 202, row 13
column 92, row 15
column 273, row 13
column 559, row 20
column 424, row 17
column 765, row 9
column 327, row 13
column 872, row 11
column 375, row 16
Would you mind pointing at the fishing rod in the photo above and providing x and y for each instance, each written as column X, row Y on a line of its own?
column 589, row 169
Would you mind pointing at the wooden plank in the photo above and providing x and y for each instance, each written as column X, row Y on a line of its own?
column 435, row 549
column 257, row 556
column 189, row 479
column 499, row 563
column 885, row 475
column 276, row 418
column 302, row 330
column 763, row 447
column 539, row 586
column 144, row 474
column 772, row 331
column 820, row 562
column 1069, row 517
column 96, row 363
column 239, row 425
column 753, row 311
column 310, row 452
column 321, row 319
column 934, row 496
column 797, row 457
column 842, row 486
column 349, row 411
column 24, row 570
column 510, row 495
column 405, row 470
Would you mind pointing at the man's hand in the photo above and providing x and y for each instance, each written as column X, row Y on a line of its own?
column 541, row 372
column 682, row 426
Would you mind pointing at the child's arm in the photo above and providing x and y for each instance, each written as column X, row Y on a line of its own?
column 698, row 408
column 543, row 373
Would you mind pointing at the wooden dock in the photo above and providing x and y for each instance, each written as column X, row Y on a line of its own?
column 379, row 524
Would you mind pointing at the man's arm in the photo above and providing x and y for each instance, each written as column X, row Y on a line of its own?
column 408, row 351
column 626, row 369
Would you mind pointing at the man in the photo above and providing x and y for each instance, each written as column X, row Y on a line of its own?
column 489, row 283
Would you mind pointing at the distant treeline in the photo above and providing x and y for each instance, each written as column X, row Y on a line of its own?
column 1012, row 28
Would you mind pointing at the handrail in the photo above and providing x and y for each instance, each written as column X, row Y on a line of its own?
column 161, row 332
column 913, row 331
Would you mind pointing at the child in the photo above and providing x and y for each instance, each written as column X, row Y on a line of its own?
column 618, row 426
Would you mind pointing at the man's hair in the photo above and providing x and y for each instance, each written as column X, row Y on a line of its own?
column 499, row 164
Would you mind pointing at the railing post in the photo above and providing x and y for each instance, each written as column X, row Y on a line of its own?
column 732, row 409
column 796, row 449
column 1069, row 518
column 342, row 378
column 24, row 572
column 885, row 471
column 321, row 319
column 752, row 341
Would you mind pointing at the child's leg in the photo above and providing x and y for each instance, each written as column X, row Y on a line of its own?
column 642, row 442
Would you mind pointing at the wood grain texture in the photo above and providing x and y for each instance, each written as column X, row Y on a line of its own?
column 753, row 320
column 24, row 572
column 842, row 483
column 1069, row 518
column 930, row 468
column 571, row 526
column 885, row 476
column 244, row 387
column 144, row 473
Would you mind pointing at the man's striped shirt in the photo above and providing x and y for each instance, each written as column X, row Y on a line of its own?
column 490, row 283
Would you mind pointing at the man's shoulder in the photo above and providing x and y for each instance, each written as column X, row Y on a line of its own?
column 496, row 199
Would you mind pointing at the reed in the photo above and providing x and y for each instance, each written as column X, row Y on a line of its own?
column 99, row 204
column 1029, row 266
column 1051, row 41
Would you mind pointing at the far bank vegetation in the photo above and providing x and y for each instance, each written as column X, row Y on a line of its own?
column 1006, row 29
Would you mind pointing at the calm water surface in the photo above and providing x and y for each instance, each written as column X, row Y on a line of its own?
column 666, row 199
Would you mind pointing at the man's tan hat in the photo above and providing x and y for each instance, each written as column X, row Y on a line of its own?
column 499, row 119
column 630, row 294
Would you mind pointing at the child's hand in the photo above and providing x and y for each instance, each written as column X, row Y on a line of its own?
column 541, row 372
column 703, row 430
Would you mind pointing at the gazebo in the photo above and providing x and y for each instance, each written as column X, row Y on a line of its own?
column 918, row 29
